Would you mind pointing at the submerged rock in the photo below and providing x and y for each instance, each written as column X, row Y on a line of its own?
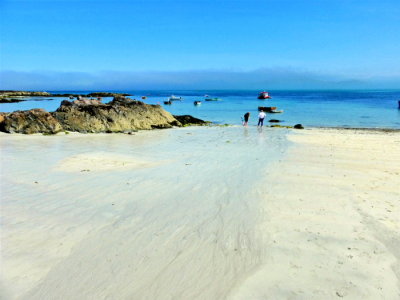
column 11, row 100
column 280, row 126
column 30, row 121
column 274, row 121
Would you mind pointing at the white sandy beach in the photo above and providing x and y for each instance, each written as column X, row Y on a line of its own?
column 201, row 213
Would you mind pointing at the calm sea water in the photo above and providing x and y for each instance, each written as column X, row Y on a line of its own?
column 367, row 109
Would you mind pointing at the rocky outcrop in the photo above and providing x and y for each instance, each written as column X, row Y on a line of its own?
column 120, row 115
column 5, row 95
column 90, row 115
column 23, row 93
column 30, row 121
column 187, row 120
column 8, row 93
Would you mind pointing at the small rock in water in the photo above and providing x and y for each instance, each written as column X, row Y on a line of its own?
column 298, row 126
column 274, row 121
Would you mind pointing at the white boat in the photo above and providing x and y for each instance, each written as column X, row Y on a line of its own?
column 175, row 98
column 197, row 102
column 212, row 99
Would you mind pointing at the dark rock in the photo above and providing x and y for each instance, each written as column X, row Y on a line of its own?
column 66, row 103
column 298, row 126
column 30, row 121
column 274, row 121
column 187, row 120
column 12, row 100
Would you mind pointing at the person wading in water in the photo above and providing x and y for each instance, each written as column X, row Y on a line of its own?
column 246, row 118
column 261, row 117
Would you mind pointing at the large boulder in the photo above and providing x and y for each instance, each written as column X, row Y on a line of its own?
column 30, row 121
column 120, row 115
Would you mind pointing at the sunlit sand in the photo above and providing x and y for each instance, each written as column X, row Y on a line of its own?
column 201, row 213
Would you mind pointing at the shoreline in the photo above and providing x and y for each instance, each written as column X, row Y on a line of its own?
column 374, row 129
column 212, row 125
column 202, row 213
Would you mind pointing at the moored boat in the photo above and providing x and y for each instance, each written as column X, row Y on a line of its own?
column 264, row 95
column 269, row 109
column 197, row 102
column 175, row 98
column 213, row 99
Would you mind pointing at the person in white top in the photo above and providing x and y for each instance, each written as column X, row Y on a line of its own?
column 261, row 117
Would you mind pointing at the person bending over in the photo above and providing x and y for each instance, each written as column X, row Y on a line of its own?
column 246, row 118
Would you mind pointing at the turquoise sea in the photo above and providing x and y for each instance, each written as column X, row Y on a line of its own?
column 364, row 109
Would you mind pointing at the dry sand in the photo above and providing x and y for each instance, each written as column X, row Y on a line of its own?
column 201, row 213
column 333, row 219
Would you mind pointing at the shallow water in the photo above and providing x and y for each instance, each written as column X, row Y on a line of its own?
column 189, row 221
column 366, row 109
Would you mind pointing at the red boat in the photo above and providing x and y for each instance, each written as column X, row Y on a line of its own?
column 264, row 95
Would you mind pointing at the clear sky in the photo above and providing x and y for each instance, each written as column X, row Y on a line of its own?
column 185, row 43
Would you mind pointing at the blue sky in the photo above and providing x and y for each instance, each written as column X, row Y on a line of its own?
column 183, row 44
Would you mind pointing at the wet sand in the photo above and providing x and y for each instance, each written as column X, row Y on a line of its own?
column 201, row 213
